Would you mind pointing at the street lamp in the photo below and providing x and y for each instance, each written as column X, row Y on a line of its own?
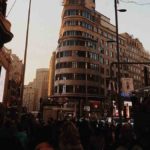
column 25, row 52
column 118, row 58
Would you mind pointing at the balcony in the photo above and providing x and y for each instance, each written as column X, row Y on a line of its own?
column 5, row 34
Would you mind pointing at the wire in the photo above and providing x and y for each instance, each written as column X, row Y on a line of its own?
column 11, row 8
column 134, row 2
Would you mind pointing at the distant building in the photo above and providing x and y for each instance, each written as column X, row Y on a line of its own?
column 15, row 72
column 29, row 96
column 41, row 85
column 135, row 52
column 36, row 90
column 13, row 66
column 5, row 61
column 15, row 79
column 51, row 77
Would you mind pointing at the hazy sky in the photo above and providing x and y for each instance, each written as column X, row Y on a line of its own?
column 2, row 80
column 45, row 25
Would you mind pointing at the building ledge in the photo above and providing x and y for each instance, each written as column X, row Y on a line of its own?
column 5, row 34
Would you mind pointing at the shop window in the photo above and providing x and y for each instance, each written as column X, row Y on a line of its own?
column 102, row 70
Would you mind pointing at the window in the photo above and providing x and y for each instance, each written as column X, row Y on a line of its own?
column 111, row 54
column 107, row 62
column 102, row 50
column 71, row 23
column 92, row 90
column 72, row 1
column 81, row 53
column 66, row 76
column 81, row 64
column 71, row 12
column 101, row 60
column 102, row 81
column 57, row 65
column 90, row 44
column 93, row 66
column 102, row 70
column 67, row 53
column 102, row 91
column 74, row 64
column 110, row 36
column 72, row 32
column 57, row 77
column 87, row 15
column 107, row 72
column 55, row 89
column 107, row 52
column 92, row 56
column 92, row 77
column 78, row 23
column 79, row 76
column 79, row 89
column 61, row 54
column 70, row 76
column 57, row 55
column 60, row 89
column 105, row 34
column 69, row 88
column 64, row 65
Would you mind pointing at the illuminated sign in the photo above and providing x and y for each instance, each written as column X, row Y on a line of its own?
column 127, row 86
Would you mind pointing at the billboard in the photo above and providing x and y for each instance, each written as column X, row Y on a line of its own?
column 127, row 86
column 2, row 82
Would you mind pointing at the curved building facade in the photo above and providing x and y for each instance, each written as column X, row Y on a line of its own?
column 84, row 55
column 77, row 58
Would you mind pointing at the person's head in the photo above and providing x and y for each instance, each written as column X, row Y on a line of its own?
column 69, row 137
column 44, row 146
column 69, row 133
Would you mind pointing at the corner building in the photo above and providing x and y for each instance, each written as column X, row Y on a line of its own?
column 77, row 76
column 84, row 55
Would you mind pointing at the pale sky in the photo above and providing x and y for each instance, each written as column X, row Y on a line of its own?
column 46, row 21
column 2, row 81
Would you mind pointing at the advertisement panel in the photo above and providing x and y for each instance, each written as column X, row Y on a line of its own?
column 127, row 86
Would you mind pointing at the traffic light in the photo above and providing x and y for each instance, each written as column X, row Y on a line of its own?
column 146, row 76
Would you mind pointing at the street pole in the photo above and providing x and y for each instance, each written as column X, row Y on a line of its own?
column 118, row 61
column 25, row 52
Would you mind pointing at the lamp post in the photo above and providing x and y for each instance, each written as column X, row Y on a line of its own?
column 118, row 59
column 25, row 52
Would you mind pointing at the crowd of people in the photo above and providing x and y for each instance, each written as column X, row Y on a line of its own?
column 27, row 133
